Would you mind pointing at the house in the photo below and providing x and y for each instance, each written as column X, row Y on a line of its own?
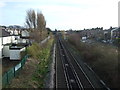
column 24, row 37
column 6, row 40
column 15, row 52
column 111, row 34
column 13, row 31
column 22, row 41
column 24, row 33
column 100, row 34
column 9, row 45
column 115, row 33
column 94, row 33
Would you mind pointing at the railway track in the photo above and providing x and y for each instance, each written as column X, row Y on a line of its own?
column 70, row 73
column 73, row 74
column 60, row 81
column 92, row 77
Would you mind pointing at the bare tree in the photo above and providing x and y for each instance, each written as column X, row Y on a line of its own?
column 34, row 19
column 31, row 19
column 41, row 23
column 36, row 24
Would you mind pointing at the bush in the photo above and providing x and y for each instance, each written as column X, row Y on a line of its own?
column 34, row 50
column 22, row 54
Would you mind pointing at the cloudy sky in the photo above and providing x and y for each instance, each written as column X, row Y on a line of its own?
column 62, row 14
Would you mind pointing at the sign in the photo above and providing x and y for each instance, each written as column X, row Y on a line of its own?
column 17, row 66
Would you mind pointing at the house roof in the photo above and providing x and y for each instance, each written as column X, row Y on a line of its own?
column 4, row 33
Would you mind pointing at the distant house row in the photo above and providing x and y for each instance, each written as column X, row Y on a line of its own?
column 12, row 42
column 100, row 34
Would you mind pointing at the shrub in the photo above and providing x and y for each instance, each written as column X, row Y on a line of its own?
column 22, row 54
column 34, row 50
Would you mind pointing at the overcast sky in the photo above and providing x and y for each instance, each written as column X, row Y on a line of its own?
column 62, row 14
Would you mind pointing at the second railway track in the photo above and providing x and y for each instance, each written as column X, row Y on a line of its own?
column 73, row 73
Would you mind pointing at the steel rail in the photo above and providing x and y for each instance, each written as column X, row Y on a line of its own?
column 67, row 82
column 66, row 50
column 105, row 87
column 78, row 82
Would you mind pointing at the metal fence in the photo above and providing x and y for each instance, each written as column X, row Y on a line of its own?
column 13, row 72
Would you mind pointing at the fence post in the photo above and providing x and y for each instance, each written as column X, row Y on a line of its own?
column 7, row 78
column 14, row 71
column 21, row 65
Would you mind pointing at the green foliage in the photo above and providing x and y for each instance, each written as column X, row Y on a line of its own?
column 34, row 50
column 42, row 54
column 22, row 54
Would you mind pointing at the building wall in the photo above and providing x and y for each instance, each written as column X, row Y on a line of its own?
column 0, row 52
column 16, row 32
column 6, row 51
column 22, row 41
column 13, row 39
column 1, row 47
column 25, row 33
column 7, row 40
column 14, row 54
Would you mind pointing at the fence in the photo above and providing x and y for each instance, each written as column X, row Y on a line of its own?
column 13, row 72
column 43, row 41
